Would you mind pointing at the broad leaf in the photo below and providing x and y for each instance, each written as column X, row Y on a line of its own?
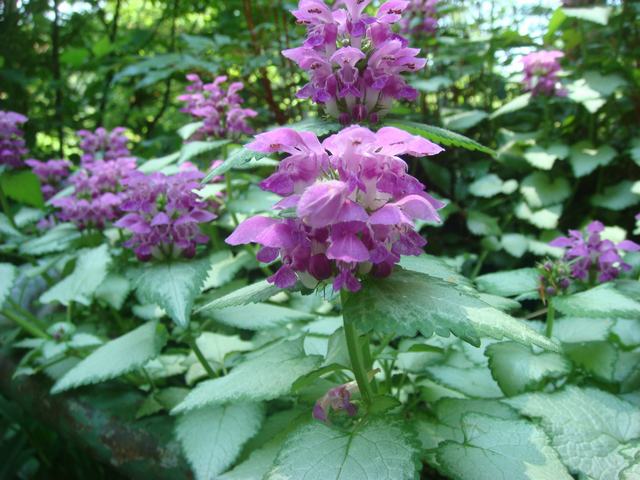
column 616, row 197
column 472, row 381
column 439, row 135
column 517, row 369
column 592, row 430
column 81, row 285
column 114, row 290
column 265, row 375
column 172, row 285
column 480, row 223
column 258, row 292
column 257, row 316
column 514, row 105
column 216, row 346
column 408, row 302
column 599, row 15
column 23, row 187
column 485, row 455
column 7, row 277
column 194, row 149
column 509, row 283
column 189, row 129
column 381, row 449
column 487, row 186
column 585, row 158
column 601, row 302
column 224, row 266
column 434, row 267
column 546, row 218
column 212, row 437
column 117, row 357
column 58, row 239
column 464, row 120
column 539, row 190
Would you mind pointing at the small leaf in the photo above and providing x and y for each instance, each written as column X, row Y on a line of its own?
column 599, row 15
column 475, row 382
column 172, row 285
column 117, row 357
column 464, row 120
column 224, row 266
column 509, row 283
column 581, row 92
column 482, row 224
column 515, row 244
column 546, row 218
column 90, row 271
column 189, row 129
column 439, row 135
column 616, row 197
column 517, row 369
column 600, row 302
column 434, row 267
column 585, row 159
column 266, row 375
column 58, row 239
column 212, row 437
column 259, row 316
column 514, row 105
column 540, row 190
column 23, row 187
column 485, row 455
column 487, row 186
column 317, row 451
column 113, row 290
column 7, row 277
column 258, row 292
column 409, row 302
column 216, row 346
column 194, row 149
column 598, row 359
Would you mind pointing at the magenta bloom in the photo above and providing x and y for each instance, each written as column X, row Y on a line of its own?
column 352, row 205
column 355, row 61
column 12, row 145
column 52, row 175
column 163, row 214
column 591, row 257
column 97, row 194
column 421, row 17
column 219, row 109
column 338, row 399
column 103, row 145
column 541, row 73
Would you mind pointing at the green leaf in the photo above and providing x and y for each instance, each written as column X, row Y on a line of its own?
column 172, row 285
column 90, row 271
column 58, row 239
column 540, row 190
column 434, row 267
column 473, row 382
column 514, row 105
column 381, row 449
column 432, row 84
column 581, row 329
column 74, row 57
column 23, row 187
column 410, row 302
column 117, row 357
column 194, row 149
column 600, row 302
column 542, row 158
column 160, row 164
column 590, row 429
column 258, row 292
column 216, row 346
column 515, row 244
column 517, row 369
column 599, row 15
column 213, row 437
column 189, row 129
column 605, row 84
column 439, row 135
column 487, row 186
column 259, row 316
column 509, row 283
column 265, row 375
column 616, row 197
column 482, row 224
column 255, row 200
column 635, row 151
column 485, row 455
column 114, row 290
column 597, row 358
column 557, row 19
column 581, row 92
column 8, row 274
column 546, row 218
column 225, row 266
column 464, row 120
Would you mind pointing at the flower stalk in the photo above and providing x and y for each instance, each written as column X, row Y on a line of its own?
column 551, row 315
column 356, row 356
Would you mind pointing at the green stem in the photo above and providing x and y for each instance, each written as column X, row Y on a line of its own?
column 25, row 325
column 356, row 356
column 551, row 315
column 6, row 209
column 201, row 358
column 479, row 263
column 227, row 178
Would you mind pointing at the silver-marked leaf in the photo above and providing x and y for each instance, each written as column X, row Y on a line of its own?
column 58, row 239
column 509, row 283
column 603, row 301
column 258, row 292
column 7, row 277
column 585, row 158
column 258, row 316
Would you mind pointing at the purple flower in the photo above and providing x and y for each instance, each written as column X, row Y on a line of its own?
column 353, row 205
column 219, row 109
column 421, row 18
column 591, row 257
column 337, row 399
column 52, row 175
column 12, row 144
column 355, row 61
column 163, row 214
column 541, row 73
column 103, row 145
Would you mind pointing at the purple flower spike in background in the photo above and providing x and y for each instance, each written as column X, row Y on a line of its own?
column 421, row 18
column 52, row 175
column 352, row 205
column 337, row 399
column 355, row 61
column 12, row 145
column 541, row 73
column 103, row 145
column 219, row 109
column 592, row 258
column 163, row 213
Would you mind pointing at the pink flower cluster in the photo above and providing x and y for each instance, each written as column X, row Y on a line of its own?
column 348, row 208
column 592, row 258
column 12, row 145
column 103, row 145
column 219, row 109
column 338, row 399
column 421, row 17
column 163, row 214
column 355, row 61
column 52, row 174
column 541, row 73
